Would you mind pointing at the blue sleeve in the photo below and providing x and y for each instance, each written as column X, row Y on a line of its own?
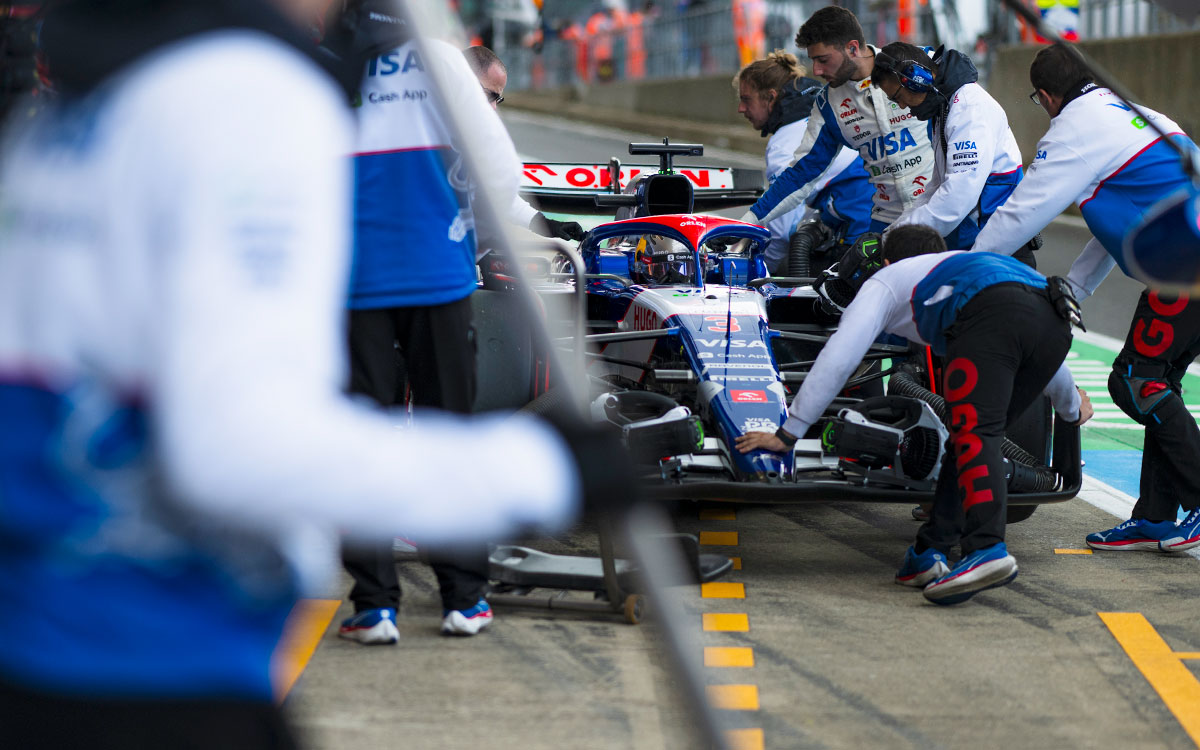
column 808, row 168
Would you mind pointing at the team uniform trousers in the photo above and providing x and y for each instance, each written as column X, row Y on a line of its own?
column 36, row 721
column 1163, row 339
column 1003, row 348
column 438, row 352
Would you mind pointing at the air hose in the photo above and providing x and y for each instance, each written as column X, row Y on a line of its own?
column 1026, row 473
column 803, row 244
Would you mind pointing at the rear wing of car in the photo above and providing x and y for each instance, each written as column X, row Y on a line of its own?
column 573, row 186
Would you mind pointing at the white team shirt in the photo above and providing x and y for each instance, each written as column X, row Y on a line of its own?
column 1091, row 139
column 979, row 143
column 782, row 151
column 188, row 249
column 884, row 304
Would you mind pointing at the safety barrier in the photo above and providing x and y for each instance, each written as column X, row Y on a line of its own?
column 717, row 38
column 1107, row 19
column 628, row 47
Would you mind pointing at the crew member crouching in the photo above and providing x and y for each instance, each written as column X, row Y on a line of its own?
column 992, row 320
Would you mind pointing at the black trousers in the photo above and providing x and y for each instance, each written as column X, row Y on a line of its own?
column 437, row 350
column 1163, row 339
column 39, row 721
column 1003, row 348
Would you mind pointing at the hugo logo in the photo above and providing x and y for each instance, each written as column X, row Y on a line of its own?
column 961, row 378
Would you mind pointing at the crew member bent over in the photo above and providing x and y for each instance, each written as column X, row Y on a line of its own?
column 976, row 162
column 1100, row 155
column 992, row 320
column 850, row 112
column 777, row 99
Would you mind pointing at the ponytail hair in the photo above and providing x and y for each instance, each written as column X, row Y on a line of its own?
column 775, row 71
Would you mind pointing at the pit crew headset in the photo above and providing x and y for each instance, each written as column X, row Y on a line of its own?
column 916, row 77
column 838, row 284
column 912, row 75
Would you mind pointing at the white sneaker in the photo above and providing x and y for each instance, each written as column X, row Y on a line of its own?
column 371, row 626
column 467, row 621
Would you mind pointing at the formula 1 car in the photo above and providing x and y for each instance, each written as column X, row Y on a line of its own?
column 691, row 343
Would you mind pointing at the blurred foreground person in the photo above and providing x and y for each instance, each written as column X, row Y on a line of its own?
column 1101, row 156
column 176, row 448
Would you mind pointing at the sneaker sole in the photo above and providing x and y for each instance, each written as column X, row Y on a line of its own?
column 463, row 627
column 380, row 634
column 919, row 580
column 1124, row 545
column 982, row 577
column 1179, row 544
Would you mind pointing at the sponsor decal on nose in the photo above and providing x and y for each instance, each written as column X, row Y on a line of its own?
column 749, row 397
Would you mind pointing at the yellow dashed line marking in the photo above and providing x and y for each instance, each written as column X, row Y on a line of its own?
column 719, row 538
column 302, row 632
column 1069, row 551
column 1163, row 668
column 733, row 697
column 715, row 656
column 745, row 739
column 726, row 622
column 722, row 590
column 729, row 697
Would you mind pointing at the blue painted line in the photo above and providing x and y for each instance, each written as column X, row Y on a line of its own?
column 1118, row 469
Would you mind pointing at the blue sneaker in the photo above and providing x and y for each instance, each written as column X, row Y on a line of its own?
column 1185, row 536
column 467, row 621
column 919, row 570
column 371, row 626
column 983, row 569
column 1133, row 534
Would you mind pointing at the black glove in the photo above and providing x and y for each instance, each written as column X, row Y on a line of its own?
column 1024, row 253
column 563, row 230
column 606, row 472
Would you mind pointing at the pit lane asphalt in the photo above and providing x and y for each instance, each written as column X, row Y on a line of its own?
column 842, row 657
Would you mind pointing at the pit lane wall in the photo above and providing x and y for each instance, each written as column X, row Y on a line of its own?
column 1163, row 72
column 692, row 110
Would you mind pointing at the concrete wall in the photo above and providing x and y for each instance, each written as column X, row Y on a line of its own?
column 700, row 110
column 1163, row 72
column 707, row 99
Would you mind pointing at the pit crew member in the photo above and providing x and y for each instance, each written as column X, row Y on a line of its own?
column 1004, row 342
column 976, row 161
column 776, row 98
column 411, row 283
column 177, row 450
column 850, row 112
column 1100, row 155
column 489, row 69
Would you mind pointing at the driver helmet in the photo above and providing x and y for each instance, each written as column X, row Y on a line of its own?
column 661, row 260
